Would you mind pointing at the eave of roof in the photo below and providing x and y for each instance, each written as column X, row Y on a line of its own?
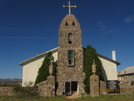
column 111, row 60
column 55, row 49
column 37, row 56
column 125, row 74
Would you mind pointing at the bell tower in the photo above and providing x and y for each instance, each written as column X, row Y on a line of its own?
column 70, row 44
column 70, row 54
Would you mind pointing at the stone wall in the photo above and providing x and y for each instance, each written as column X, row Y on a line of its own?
column 103, row 87
column 6, row 91
column 97, row 86
column 47, row 87
column 63, row 59
column 70, row 74
column 126, row 88
column 94, row 85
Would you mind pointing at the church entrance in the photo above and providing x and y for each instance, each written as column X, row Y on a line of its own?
column 71, row 87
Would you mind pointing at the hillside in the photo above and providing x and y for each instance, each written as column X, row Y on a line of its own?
column 10, row 80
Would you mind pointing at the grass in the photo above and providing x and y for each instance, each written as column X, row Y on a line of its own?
column 127, row 97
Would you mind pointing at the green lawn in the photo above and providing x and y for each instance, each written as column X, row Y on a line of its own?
column 129, row 97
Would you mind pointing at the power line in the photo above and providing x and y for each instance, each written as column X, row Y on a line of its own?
column 28, row 38
column 25, row 29
column 57, row 38
column 58, row 29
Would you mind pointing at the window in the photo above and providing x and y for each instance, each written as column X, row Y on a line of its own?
column 73, row 24
column 70, row 57
column 70, row 38
column 66, row 24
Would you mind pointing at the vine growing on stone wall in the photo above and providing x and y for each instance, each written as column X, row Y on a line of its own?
column 90, row 55
column 43, row 72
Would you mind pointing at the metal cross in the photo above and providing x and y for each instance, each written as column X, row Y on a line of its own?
column 69, row 6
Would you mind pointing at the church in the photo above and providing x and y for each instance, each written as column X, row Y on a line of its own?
column 69, row 56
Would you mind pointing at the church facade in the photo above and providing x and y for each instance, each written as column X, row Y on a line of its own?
column 69, row 56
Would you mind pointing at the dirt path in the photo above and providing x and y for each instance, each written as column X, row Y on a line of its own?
column 72, row 97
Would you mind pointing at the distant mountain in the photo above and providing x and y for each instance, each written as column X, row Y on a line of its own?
column 10, row 80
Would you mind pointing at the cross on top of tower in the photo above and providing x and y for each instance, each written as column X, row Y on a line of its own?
column 69, row 6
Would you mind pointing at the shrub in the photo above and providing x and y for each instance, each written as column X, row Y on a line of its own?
column 90, row 55
column 25, row 91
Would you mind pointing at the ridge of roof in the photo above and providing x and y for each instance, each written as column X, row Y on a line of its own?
column 52, row 50
column 37, row 56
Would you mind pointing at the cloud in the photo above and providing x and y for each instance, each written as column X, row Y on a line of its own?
column 102, row 26
column 129, row 19
column 110, row 31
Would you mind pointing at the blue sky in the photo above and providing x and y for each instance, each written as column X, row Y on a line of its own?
column 30, row 27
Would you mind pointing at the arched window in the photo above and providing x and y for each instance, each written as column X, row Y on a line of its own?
column 66, row 24
column 70, row 38
column 73, row 24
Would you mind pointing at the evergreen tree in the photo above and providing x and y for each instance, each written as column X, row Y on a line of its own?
column 90, row 55
column 43, row 72
column 54, row 69
column 54, row 74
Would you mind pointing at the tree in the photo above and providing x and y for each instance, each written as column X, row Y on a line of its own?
column 90, row 55
column 43, row 72
column 54, row 69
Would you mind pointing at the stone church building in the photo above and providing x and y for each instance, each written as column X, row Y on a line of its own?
column 69, row 56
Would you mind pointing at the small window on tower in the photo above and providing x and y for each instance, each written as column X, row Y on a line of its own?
column 70, row 58
column 70, row 38
column 73, row 24
column 66, row 24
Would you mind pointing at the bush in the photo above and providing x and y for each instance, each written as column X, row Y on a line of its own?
column 25, row 91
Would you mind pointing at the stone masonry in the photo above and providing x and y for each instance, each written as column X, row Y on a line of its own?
column 103, row 88
column 65, row 72
column 6, row 91
column 94, row 85
column 126, row 88
column 47, row 87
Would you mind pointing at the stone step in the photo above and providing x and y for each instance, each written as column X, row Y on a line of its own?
column 74, row 93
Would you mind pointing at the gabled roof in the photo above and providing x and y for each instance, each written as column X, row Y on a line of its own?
column 37, row 57
column 127, row 71
column 106, row 58
column 56, row 49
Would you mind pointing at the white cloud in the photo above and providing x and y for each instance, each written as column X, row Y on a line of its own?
column 102, row 26
column 129, row 19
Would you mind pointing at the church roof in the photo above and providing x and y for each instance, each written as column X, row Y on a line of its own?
column 127, row 71
column 37, row 57
column 55, row 50
column 106, row 58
